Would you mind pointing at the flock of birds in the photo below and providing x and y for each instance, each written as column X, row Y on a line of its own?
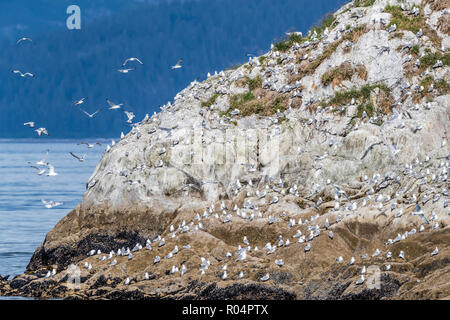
column 297, row 231
column 43, row 166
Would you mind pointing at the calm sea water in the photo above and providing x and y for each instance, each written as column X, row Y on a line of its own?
column 24, row 221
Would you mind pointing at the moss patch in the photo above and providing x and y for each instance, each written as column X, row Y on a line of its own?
column 210, row 101
column 363, row 3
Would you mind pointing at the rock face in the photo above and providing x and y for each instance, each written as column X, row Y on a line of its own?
column 326, row 149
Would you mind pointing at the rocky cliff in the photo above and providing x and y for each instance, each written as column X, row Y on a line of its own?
column 316, row 171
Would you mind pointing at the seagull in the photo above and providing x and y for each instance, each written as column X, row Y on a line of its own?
column 420, row 213
column 402, row 254
column 90, row 115
column 41, row 131
column 157, row 259
column 51, row 171
column 130, row 116
column 81, row 101
column 435, row 252
column 265, row 277
column 178, row 65
column 392, row 28
column 42, row 162
column 89, row 145
column 81, row 159
column 51, row 204
column 29, row 124
column 131, row 59
column 360, row 280
column 112, row 105
column 125, row 70
column 23, row 74
column 23, row 39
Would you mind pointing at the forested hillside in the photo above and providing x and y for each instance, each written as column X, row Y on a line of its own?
column 208, row 35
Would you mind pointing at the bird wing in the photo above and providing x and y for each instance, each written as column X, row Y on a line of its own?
column 110, row 102
column 75, row 156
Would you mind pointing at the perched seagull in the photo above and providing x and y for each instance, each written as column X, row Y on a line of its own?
column 360, row 280
column 131, row 59
column 265, row 277
column 178, row 65
column 112, row 105
column 81, row 159
column 23, row 74
column 51, row 204
column 23, row 39
column 90, row 115
column 81, row 101
column 41, row 131
column 29, row 124
column 435, row 252
column 125, row 70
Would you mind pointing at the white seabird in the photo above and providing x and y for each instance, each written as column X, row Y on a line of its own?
column 41, row 131
column 265, row 277
column 80, row 159
column 51, row 170
column 90, row 115
column 51, row 204
column 24, row 39
column 435, row 252
column 26, row 74
column 113, row 106
column 131, row 59
column 178, row 65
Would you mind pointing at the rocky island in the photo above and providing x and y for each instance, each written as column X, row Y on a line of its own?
column 316, row 171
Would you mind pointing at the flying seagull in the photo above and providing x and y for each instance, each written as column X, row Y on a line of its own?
column 112, row 105
column 420, row 213
column 92, row 114
column 51, row 204
column 51, row 171
column 178, row 65
column 125, row 70
column 40, row 170
column 23, row 39
column 131, row 59
column 29, row 124
column 23, row 74
column 130, row 116
column 89, row 145
column 81, row 159
column 81, row 101
column 43, row 161
column 41, row 131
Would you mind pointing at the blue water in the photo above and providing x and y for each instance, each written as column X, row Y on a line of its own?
column 24, row 221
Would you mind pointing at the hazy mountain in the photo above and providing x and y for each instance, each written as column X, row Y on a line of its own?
column 70, row 64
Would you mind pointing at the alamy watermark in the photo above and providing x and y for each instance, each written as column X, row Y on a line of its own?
column 74, row 20
column 74, row 277
column 373, row 277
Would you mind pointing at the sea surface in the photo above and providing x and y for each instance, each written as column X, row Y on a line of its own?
column 24, row 220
